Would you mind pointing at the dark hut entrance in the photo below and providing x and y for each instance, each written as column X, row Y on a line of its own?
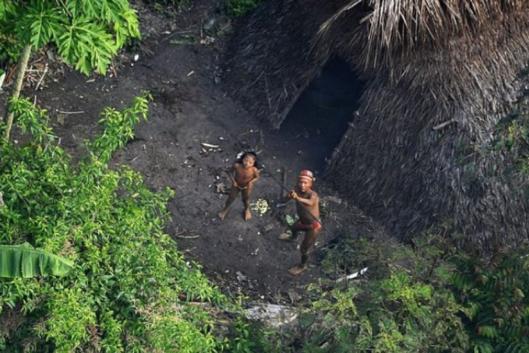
column 320, row 117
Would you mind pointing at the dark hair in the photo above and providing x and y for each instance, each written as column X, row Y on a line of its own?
column 243, row 154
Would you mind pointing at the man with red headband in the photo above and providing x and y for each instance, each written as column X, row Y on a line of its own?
column 308, row 209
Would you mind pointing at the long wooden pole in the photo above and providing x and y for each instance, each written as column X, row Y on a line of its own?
column 21, row 71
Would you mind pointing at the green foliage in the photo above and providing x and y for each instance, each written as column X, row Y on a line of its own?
column 512, row 134
column 172, row 333
column 130, row 287
column 244, row 342
column 119, row 128
column 32, row 120
column 70, row 315
column 86, row 45
column 254, row 337
column 25, row 261
column 427, row 297
column 514, row 139
column 494, row 296
column 399, row 309
column 238, row 8
column 87, row 33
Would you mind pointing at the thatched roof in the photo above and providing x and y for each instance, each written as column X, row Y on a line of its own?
column 269, row 56
column 396, row 27
column 441, row 75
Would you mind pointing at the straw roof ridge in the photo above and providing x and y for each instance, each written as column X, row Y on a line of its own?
column 397, row 27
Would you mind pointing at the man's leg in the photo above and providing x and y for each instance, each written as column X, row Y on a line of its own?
column 246, row 201
column 306, row 246
column 294, row 229
column 298, row 227
column 232, row 196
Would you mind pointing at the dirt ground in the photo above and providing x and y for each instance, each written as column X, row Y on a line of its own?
column 179, row 64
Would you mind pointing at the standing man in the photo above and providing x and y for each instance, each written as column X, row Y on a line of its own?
column 244, row 174
column 308, row 210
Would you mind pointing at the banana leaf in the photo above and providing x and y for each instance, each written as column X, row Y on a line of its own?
column 26, row 262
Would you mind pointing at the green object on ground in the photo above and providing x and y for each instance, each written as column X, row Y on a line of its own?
column 27, row 262
column 290, row 220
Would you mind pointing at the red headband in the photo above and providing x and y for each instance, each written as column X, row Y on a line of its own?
column 306, row 174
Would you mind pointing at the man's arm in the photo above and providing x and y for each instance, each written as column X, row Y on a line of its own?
column 313, row 200
column 231, row 174
column 256, row 176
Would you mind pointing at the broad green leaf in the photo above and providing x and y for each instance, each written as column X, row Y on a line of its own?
column 26, row 262
column 86, row 45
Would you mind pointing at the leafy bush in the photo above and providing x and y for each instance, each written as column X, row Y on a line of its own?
column 238, row 8
column 494, row 296
column 129, row 288
column 255, row 337
column 86, row 33
column 512, row 132
column 397, row 310
column 427, row 297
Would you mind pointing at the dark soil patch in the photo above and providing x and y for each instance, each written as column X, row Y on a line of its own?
column 190, row 107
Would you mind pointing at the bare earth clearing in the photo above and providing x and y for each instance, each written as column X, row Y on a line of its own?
column 190, row 107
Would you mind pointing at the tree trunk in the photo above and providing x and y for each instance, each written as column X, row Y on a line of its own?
column 22, row 65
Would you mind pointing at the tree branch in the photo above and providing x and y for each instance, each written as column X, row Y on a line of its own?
column 22, row 65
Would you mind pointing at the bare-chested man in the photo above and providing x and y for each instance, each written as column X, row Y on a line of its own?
column 244, row 174
column 308, row 210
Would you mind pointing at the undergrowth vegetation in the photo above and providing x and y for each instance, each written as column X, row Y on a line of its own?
column 129, row 289
column 512, row 136
column 237, row 8
column 425, row 297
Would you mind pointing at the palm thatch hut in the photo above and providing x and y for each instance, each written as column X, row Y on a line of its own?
column 442, row 80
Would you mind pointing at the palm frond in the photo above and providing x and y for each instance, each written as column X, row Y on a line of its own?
column 40, row 24
column 26, row 262
column 86, row 45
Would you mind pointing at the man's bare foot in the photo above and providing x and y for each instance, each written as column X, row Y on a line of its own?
column 297, row 270
column 285, row 236
column 247, row 214
column 222, row 214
